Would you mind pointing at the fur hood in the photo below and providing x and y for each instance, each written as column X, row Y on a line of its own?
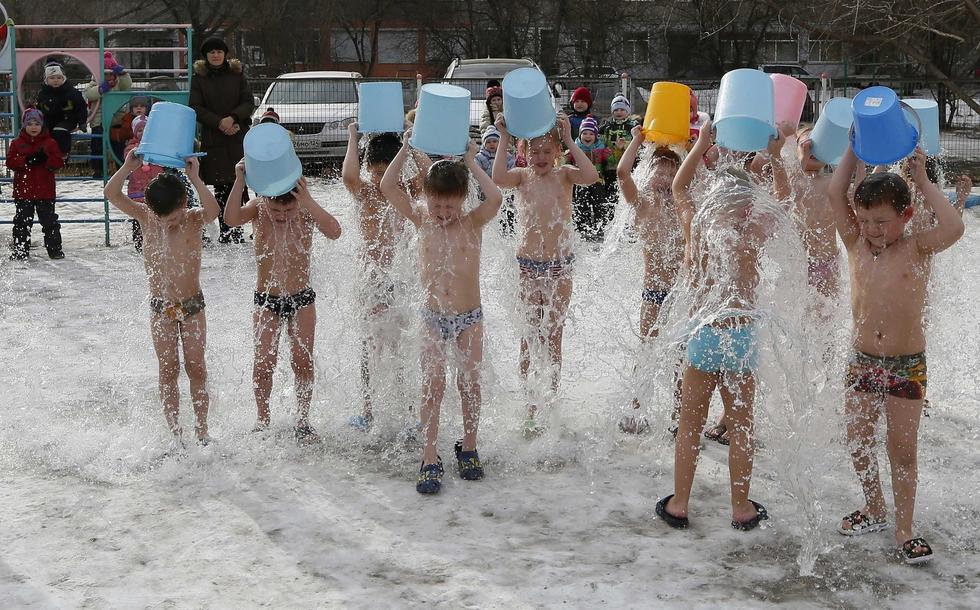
column 201, row 66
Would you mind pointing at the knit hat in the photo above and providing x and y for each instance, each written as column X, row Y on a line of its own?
column 53, row 69
column 212, row 44
column 582, row 93
column 139, row 100
column 32, row 114
column 109, row 60
column 589, row 124
column 490, row 132
column 269, row 116
column 493, row 92
column 620, row 102
column 139, row 124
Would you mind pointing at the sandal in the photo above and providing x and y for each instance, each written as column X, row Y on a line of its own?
column 678, row 523
column 633, row 424
column 717, row 433
column 306, row 435
column 914, row 551
column 470, row 468
column 430, row 478
column 760, row 515
column 861, row 524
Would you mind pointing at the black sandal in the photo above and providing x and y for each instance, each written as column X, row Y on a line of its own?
column 717, row 433
column 678, row 523
column 911, row 556
column 760, row 516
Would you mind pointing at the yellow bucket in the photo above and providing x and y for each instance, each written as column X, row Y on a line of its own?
column 668, row 118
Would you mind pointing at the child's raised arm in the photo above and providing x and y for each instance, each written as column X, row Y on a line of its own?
column 209, row 204
column 423, row 162
column 502, row 176
column 624, row 171
column 837, row 193
column 492, row 198
column 780, row 181
column 949, row 224
column 235, row 213
column 351, row 171
column 391, row 188
column 113, row 189
column 583, row 172
column 681, row 185
column 324, row 220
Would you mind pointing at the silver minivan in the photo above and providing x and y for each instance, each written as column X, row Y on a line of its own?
column 316, row 107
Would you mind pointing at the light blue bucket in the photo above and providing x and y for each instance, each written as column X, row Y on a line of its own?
column 271, row 165
column 829, row 137
column 168, row 138
column 528, row 108
column 745, row 113
column 882, row 133
column 380, row 108
column 442, row 121
column 928, row 113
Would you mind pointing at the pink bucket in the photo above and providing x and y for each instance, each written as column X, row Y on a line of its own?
column 790, row 96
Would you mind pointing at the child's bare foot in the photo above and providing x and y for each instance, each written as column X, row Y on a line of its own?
column 306, row 435
column 748, row 516
column 261, row 425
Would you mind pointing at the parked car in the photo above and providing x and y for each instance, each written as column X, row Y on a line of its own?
column 316, row 107
column 473, row 74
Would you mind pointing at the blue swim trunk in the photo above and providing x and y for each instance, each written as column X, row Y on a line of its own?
column 711, row 349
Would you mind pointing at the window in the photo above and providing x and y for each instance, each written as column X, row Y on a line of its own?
column 306, row 47
column 312, row 91
column 826, row 51
column 784, row 51
column 398, row 46
column 344, row 48
column 636, row 47
column 254, row 55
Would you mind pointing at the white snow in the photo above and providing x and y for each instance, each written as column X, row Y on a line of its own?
column 93, row 515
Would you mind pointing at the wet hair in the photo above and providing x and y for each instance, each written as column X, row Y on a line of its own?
column 883, row 189
column 662, row 153
column 382, row 148
column 285, row 198
column 446, row 178
column 165, row 193
column 553, row 136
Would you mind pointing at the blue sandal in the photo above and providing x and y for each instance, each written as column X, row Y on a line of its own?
column 430, row 478
column 470, row 468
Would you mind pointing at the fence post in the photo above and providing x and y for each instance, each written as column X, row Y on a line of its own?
column 106, row 147
column 624, row 83
column 418, row 88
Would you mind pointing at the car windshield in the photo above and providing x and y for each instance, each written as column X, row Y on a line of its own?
column 312, row 91
column 487, row 71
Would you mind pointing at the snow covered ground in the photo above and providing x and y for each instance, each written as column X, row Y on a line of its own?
column 93, row 515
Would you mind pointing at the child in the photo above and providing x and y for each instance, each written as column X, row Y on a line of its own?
column 380, row 228
column 449, row 261
column 545, row 253
column 269, row 116
column 283, row 229
column 491, row 144
column 723, row 242
column 887, row 373
column 121, row 132
column 33, row 156
column 115, row 79
column 580, row 108
column 656, row 225
column 591, row 210
column 616, row 132
column 495, row 107
column 139, row 179
column 815, row 218
column 172, row 257
column 62, row 105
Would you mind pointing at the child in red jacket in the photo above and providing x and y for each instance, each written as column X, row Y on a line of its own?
column 33, row 157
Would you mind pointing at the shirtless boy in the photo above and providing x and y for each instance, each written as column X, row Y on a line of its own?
column 722, row 350
column 172, row 258
column 663, row 252
column 450, row 242
column 545, row 253
column 283, row 228
column 815, row 218
column 380, row 227
column 889, row 270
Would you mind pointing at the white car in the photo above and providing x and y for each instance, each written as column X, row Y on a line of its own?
column 473, row 74
column 316, row 107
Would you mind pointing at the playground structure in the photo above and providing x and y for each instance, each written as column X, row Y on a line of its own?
column 12, row 57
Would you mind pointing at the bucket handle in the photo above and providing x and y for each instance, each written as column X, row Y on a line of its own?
column 918, row 121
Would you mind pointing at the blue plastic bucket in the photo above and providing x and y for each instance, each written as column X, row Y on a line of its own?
column 271, row 165
column 745, row 112
column 928, row 114
column 528, row 108
column 882, row 133
column 380, row 108
column 168, row 138
column 830, row 135
column 442, row 120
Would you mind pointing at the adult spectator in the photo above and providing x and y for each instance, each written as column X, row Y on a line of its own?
column 223, row 102
column 115, row 79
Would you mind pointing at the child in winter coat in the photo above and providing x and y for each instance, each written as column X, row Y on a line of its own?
column 580, row 108
column 495, row 107
column 138, row 180
column 616, row 132
column 33, row 156
column 62, row 105
column 484, row 158
column 591, row 211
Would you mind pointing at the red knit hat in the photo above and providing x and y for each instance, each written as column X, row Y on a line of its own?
column 493, row 92
column 582, row 93
column 269, row 116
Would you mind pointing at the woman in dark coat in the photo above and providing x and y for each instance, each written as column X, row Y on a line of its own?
column 221, row 97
